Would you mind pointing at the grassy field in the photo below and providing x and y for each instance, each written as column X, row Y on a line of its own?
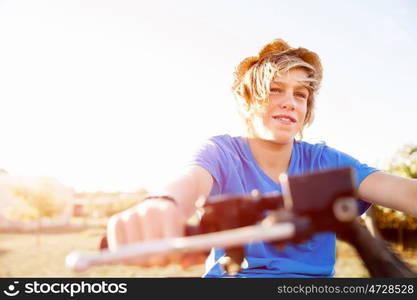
column 26, row 255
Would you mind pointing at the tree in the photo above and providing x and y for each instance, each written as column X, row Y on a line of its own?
column 403, row 163
column 38, row 199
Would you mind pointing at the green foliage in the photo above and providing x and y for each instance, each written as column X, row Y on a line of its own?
column 404, row 163
column 391, row 218
column 39, row 198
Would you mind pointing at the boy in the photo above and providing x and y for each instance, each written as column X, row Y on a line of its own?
column 276, row 94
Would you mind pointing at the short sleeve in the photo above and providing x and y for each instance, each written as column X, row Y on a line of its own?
column 336, row 159
column 210, row 157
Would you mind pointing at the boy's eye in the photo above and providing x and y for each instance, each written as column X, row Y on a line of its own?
column 275, row 90
column 301, row 95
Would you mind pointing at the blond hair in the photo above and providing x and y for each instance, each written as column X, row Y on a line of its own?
column 254, row 75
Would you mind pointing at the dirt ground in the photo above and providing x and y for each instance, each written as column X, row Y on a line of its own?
column 30, row 255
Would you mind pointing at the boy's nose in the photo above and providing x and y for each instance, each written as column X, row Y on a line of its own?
column 288, row 102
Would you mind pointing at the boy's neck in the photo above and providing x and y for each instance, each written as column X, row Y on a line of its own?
column 273, row 158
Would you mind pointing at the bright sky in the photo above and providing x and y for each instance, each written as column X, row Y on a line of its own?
column 116, row 95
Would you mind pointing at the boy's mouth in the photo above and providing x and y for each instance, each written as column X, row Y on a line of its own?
column 285, row 119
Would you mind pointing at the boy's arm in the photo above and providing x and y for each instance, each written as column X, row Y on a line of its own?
column 194, row 182
column 390, row 191
column 159, row 218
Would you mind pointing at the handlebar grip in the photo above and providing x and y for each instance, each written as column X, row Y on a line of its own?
column 192, row 230
column 103, row 243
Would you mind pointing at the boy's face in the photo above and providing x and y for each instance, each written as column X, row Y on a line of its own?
column 283, row 116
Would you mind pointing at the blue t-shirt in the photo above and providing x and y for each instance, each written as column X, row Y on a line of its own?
column 235, row 171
